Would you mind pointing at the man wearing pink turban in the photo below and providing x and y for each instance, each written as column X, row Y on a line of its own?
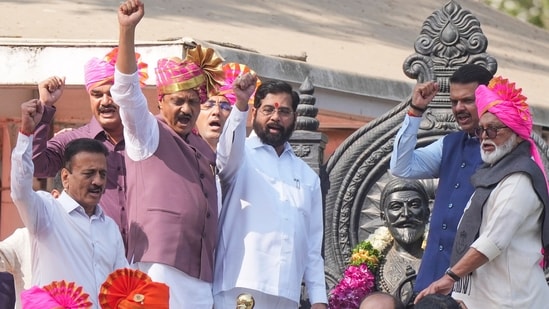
column 105, row 126
column 172, row 197
column 496, row 254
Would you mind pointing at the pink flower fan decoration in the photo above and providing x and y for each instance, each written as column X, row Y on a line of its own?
column 58, row 294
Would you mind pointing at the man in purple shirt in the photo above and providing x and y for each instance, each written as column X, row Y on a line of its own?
column 105, row 126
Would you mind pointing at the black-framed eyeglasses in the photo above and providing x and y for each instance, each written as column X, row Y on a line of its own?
column 491, row 132
column 224, row 105
column 268, row 111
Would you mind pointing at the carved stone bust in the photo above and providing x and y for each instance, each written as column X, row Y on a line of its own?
column 404, row 208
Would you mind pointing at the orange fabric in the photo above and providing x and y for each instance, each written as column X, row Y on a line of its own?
column 133, row 289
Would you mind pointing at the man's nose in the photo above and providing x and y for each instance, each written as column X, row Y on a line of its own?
column 276, row 115
column 106, row 99
column 99, row 179
column 406, row 210
column 460, row 105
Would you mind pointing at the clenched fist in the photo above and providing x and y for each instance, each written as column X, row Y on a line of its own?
column 31, row 113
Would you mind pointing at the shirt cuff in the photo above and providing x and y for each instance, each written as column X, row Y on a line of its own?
column 124, row 82
column 239, row 115
column 47, row 117
column 486, row 247
column 411, row 125
column 24, row 139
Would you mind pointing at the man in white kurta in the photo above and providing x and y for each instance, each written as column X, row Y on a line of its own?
column 271, row 222
column 496, row 256
column 510, row 239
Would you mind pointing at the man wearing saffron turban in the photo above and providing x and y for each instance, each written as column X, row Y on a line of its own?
column 172, row 195
column 496, row 256
column 105, row 126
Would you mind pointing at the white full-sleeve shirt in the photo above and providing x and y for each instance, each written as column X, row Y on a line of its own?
column 15, row 258
column 271, row 222
column 510, row 237
column 66, row 243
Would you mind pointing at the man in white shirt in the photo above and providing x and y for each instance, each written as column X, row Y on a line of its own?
column 15, row 258
column 71, row 238
column 15, row 252
column 496, row 256
column 271, row 228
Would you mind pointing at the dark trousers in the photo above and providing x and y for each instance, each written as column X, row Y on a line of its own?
column 7, row 291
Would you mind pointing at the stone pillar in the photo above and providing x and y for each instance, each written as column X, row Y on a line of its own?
column 307, row 143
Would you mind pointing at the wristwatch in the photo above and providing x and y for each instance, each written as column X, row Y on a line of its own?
column 452, row 274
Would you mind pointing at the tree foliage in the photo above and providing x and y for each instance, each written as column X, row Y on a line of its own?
column 535, row 12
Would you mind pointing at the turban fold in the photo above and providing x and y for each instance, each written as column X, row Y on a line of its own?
column 507, row 103
column 133, row 289
column 99, row 72
column 201, row 71
column 56, row 295
column 233, row 70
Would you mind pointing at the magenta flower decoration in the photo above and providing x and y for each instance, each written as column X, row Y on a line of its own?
column 357, row 282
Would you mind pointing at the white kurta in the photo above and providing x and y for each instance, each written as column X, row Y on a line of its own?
column 510, row 236
column 271, row 222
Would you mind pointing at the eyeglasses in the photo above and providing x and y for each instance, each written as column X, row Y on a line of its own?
column 491, row 132
column 268, row 111
column 224, row 105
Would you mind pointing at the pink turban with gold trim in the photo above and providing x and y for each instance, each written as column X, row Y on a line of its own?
column 201, row 71
column 233, row 70
column 99, row 72
column 506, row 102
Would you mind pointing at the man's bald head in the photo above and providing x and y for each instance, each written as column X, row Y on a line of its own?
column 380, row 300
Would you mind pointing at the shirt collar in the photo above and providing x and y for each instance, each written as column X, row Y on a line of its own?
column 96, row 128
column 70, row 205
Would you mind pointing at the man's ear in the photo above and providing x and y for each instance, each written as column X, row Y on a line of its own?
column 65, row 177
column 253, row 111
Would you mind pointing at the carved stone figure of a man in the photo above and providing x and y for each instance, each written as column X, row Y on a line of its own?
column 404, row 207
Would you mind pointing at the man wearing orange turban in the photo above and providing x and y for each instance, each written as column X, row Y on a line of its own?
column 172, row 195
column 104, row 126
column 496, row 254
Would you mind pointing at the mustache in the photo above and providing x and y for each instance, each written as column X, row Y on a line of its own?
column 400, row 223
column 274, row 126
column 491, row 143
column 95, row 188
column 106, row 107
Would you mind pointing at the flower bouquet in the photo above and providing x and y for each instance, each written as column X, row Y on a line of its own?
column 358, row 279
